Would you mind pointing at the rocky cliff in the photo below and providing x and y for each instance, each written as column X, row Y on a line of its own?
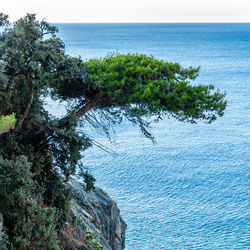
column 93, row 223
column 95, row 219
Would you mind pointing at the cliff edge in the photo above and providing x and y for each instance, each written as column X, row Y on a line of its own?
column 95, row 218
column 94, row 221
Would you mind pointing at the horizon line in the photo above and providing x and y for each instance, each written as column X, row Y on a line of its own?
column 213, row 22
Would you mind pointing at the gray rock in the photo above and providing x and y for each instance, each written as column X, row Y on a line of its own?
column 99, row 213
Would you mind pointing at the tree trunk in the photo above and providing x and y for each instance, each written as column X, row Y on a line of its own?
column 28, row 105
column 82, row 111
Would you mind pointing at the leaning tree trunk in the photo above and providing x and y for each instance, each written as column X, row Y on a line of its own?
column 82, row 111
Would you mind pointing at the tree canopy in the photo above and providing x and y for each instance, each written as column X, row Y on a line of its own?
column 134, row 87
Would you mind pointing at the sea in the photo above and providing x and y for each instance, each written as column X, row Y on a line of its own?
column 189, row 190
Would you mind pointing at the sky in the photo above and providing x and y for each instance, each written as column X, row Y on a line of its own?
column 99, row 11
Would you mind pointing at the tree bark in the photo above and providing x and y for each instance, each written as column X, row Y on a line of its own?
column 4, row 131
column 28, row 105
column 82, row 111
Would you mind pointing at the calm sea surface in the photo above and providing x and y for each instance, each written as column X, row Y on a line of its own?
column 191, row 189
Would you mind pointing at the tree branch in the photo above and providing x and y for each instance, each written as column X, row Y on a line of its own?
column 4, row 131
column 28, row 105
column 82, row 111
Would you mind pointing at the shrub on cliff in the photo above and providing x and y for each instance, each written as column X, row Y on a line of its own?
column 101, row 92
column 30, row 224
column 7, row 122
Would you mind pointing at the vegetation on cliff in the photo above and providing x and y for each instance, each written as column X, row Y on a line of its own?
column 6, row 123
column 41, row 151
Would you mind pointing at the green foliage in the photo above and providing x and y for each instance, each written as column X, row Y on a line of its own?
column 4, row 241
column 30, row 223
column 92, row 238
column 7, row 122
column 83, row 225
column 55, row 193
column 66, row 144
column 154, row 87
column 87, row 177
column 93, row 241
column 89, row 180
column 3, row 19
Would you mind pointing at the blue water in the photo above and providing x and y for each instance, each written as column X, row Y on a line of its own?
column 191, row 189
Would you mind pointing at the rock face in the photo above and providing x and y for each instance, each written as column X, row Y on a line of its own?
column 99, row 213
